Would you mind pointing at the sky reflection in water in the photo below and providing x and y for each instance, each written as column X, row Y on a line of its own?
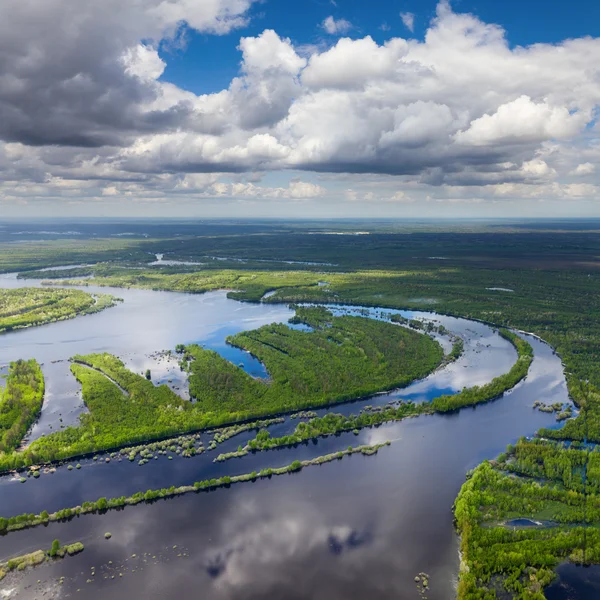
column 353, row 529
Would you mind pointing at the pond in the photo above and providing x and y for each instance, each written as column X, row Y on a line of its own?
column 357, row 528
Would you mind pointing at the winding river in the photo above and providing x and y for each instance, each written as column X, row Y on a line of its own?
column 358, row 528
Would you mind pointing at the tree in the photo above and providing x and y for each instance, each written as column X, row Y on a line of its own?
column 148, row 374
column 55, row 548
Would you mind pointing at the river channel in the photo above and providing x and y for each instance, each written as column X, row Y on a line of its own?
column 362, row 527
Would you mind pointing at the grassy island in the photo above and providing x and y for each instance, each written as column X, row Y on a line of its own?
column 27, row 307
column 20, row 403
column 342, row 359
column 33, row 559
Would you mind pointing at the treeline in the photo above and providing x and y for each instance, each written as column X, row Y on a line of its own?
column 20, row 403
column 498, row 385
column 103, row 504
column 329, row 424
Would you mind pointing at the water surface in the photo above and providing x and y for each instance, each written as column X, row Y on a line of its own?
column 362, row 527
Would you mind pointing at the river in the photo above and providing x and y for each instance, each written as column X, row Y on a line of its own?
column 362, row 527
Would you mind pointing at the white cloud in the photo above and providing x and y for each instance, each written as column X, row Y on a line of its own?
column 354, row 63
column 334, row 27
column 144, row 62
column 409, row 20
column 296, row 190
column 459, row 110
column 584, row 169
column 304, row 189
column 523, row 120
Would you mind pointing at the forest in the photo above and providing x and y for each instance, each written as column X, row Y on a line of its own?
column 20, row 403
column 331, row 423
column 27, row 307
column 556, row 486
column 343, row 358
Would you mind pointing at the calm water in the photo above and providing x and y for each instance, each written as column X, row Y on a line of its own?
column 358, row 528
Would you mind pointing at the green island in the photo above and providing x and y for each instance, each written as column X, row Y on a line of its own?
column 331, row 424
column 28, row 307
column 342, row 359
column 34, row 559
column 102, row 504
column 20, row 402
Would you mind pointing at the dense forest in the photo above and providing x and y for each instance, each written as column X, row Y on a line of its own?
column 556, row 487
column 26, row 307
column 20, row 403
column 340, row 359
column 332, row 423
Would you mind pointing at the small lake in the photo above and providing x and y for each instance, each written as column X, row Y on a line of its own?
column 362, row 527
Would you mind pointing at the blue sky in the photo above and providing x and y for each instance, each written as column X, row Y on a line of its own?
column 313, row 108
column 208, row 63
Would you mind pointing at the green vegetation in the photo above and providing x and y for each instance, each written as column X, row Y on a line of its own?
column 555, row 486
column 252, row 285
column 342, row 359
column 33, row 559
column 458, row 347
column 27, row 307
column 498, row 385
column 331, row 424
column 20, row 403
column 102, row 504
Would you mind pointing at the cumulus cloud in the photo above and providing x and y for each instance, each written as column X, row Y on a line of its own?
column 334, row 27
column 82, row 100
column 584, row 169
column 78, row 73
column 409, row 20
column 523, row 120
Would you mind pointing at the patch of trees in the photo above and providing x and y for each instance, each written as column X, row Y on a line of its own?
column 20, row 403
column 27, row 307
column 498, row 385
